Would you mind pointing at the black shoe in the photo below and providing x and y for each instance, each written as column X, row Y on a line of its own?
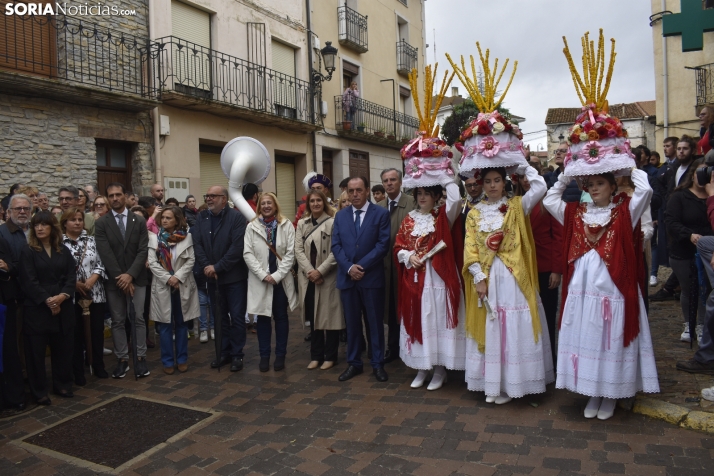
column 661, row 295
column 695, row 367
column 225, row 360
column 351, row 371
column 236, row 364
column 308, row 337
column 391, row 356
column 279, row 363
column 80, row 381
column 44, row 401
column 343, row 336
column 122, row 368
column 380, row 375
column 101, row 373
column 264, row 364
column 141, row 369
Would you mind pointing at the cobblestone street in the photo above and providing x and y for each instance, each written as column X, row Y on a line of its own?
column 306, row 422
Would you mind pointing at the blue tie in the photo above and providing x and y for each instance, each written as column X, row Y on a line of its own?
column 357, row 221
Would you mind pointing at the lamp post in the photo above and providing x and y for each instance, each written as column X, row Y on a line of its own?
column 329, row 55
column 561, row 137
column 394, row 104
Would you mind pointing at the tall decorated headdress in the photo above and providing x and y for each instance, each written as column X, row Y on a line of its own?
column 491, row 139
column 597, row 141
column 427, row 158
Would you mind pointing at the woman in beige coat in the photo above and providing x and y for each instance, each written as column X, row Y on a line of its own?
column 317, row 281
column 174, row 296
column 269, row 253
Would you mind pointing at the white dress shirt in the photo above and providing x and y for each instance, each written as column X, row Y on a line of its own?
column 361, row 216
column 389, row 201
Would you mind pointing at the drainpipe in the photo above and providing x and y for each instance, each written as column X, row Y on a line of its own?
column 312, row 85
column 155, row 112
column 665, row 79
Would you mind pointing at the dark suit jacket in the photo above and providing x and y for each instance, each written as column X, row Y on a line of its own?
column 126, row 255
column 367, row 249
column 7, row 278
column 42, row 277
column 404, row 206
column 223, row 249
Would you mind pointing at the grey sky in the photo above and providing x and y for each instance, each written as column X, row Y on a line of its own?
column 531, row 31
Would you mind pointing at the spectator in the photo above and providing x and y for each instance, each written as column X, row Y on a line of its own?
column 398, row 205
column 344, row 201
column 190, row 211
column 48, row 277
column 572, row 192
column 43, row 202
column 343, row 185
column 251, row 193
column 312, row 181
column 122, row 242
column 31, row 192
column 687, row 222
column 83, row 200
column 172, row 202
column 89, row 297
column 2, row 215
column 100, row 207
column 140, row 211
column 378, row 193
column 218, row 244
column 205, row 320
column 5, row 202
column 317, row 281
column 69, row 198
column 92, row 194
column 706, row 131
column 132, row 200
column 269, row 254
column 17, row 227
column 174, row 301
column 645, row 155
column 56, row 210
column 664, row 174
column 655, row 159
column 350, row 100
column 157, row 193
column 153, row 209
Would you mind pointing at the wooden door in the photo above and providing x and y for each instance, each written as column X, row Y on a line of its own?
column 359, row 164
column 113, row 164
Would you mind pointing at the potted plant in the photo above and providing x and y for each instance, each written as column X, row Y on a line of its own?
column 346, row 125
column 361, row 126
column 391, row 136
column 380, row 132
column 405, row 139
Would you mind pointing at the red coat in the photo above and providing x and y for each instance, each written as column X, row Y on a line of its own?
column 548, row 237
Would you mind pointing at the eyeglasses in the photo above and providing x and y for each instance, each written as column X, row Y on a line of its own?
column 561, row 151
column 471, row 185
column 66, row 199
column 100, row 204
column 21, row 209
column 212, row 197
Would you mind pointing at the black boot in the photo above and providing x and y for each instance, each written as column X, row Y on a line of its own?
column 264, row 364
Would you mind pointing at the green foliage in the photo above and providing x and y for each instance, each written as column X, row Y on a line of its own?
column 460, row 118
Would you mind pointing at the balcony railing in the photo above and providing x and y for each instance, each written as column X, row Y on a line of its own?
column 73, row 50
column 705, row 84
column 206, row 74
column 406, row 57
column 370, row 122
column 352, row 29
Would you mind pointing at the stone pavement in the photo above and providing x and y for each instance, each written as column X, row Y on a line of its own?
column 306, row 422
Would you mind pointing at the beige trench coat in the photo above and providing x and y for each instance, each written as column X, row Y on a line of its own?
column 328, row 306
column 160, row 307
column 255, row 254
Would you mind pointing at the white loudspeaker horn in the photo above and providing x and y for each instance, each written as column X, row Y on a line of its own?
column 244, row 160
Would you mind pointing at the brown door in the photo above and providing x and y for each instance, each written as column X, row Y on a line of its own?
column 113, row 164
column 28, row 43
column 359, row 164
column 327, row 169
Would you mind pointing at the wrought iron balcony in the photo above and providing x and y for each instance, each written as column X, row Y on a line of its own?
column 73, row 52
column 369, row 122
column 352, row 29
column 705, row 84
column 205, row 79
column 407, row 57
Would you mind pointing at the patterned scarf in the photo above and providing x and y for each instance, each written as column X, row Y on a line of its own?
column 271, row 226
column 163, row 251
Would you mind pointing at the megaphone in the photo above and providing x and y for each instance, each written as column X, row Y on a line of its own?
column 244, row 160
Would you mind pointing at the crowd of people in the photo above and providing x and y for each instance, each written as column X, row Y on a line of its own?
column 375, row 257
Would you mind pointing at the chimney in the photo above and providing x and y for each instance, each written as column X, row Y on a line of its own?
column 454, row 91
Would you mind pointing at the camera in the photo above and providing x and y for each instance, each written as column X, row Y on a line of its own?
column 704, row 175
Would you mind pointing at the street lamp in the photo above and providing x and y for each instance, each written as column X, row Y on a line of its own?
column 328, row 54
column 561, row 137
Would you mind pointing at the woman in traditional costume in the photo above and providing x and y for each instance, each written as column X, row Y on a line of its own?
column 508, row 354
column 430, row 308
column 604, row 345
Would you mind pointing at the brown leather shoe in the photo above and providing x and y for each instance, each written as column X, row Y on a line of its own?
column 169, row 370
column 695, row 367
column 183, row 367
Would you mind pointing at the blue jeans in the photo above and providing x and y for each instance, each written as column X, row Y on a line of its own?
column 230, row 309
column 265, row 331
column 166, row 333
column 204, row 301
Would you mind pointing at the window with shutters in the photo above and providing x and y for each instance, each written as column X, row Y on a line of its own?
column 191, row 51
column 210, row 168
column 28, row 43
column 285, row 185
column 283, row 80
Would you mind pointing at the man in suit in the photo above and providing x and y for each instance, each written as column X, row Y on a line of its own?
column 399, row 205
column 218, row 244
column 360, row 241
column 123, row 245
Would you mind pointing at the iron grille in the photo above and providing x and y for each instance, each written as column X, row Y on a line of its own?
column 406, row 57
column 352, row 29
column 207, row 74
column 705, row 84
column 370, row 120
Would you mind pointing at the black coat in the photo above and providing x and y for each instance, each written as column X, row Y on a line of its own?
column 572, row 192
column 686, row 215
column 42, row 277
column 126, row 255
column 7, row 278
column 190, row 216
column 224, row 248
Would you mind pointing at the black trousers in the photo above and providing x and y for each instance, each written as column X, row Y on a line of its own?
column 393, row 327
column 323, row 343
column 12, row 386
column 96, row 333
column 61, row 354
column 549, row 297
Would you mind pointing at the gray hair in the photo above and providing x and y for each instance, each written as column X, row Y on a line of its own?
column 41, row 194
column 19, row 196
column 94, row 186
column 391, row 169
column 70, row 189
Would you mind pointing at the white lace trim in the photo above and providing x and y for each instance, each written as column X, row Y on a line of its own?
column 423, row 223
column 597, row 216
column 403, row 257
column 491, row 218
column 475, row 270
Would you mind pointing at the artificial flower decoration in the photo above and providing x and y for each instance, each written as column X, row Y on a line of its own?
column 489, row 146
